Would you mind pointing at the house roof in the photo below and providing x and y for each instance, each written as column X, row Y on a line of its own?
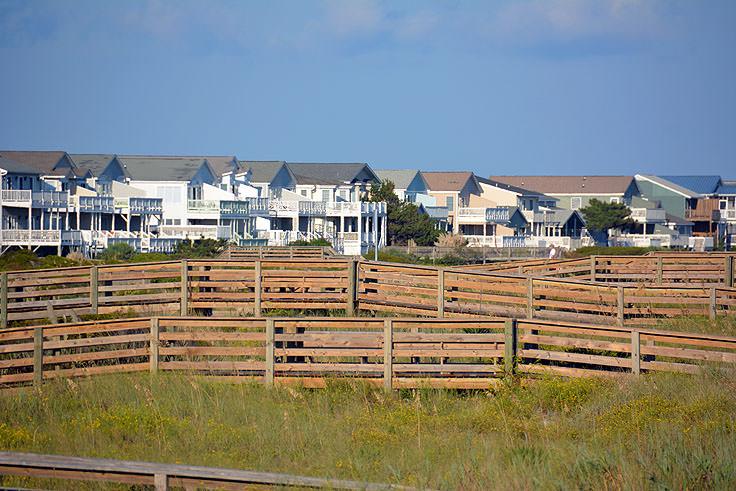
column 330, row 174
column 696, row 184
column 569, row 184
column 726, row 189
column 447, row 181
column 262, row 170
column 16, row 167
column 509, row 187
column 221, row 163
column 402, row 178
column 677, row 220
column 557, row 216
column 160, row 168
column 689, row 193
column 94, row 163
column 43, row 162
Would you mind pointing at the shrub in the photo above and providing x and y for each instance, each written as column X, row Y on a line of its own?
column 118, row 251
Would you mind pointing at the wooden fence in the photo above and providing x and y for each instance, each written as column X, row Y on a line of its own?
column 253, row 287
column 669, row 269
column 392, row 352
column 164, row 476
column 276, row 252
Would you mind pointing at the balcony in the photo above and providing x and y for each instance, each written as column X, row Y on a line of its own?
column 312, row 208
column 31, row 237
column 195, row 232
column 205, row 206
column 20, row 197
column 71, row 237
column 648, row 215
column 50, row 199
column 96, row 204
column 729, row 214
column 705, row 210
column 234, row 209
column 258, row 206
column 145, row 206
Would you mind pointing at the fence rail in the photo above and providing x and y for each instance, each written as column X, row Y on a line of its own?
column 254, row 286
column 388, row 352
column 163, row 476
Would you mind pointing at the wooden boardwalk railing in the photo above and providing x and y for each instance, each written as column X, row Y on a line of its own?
column 253, row 287
column 663, row 269
column 276, row 252
column 164, row 476
column 392, row 352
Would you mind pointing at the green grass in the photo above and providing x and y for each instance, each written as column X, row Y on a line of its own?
column 654, row 432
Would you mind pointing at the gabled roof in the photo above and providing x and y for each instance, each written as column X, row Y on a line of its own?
column 447, row 181
column 509, row 187
column 669, row 218
column 402, row 178
column 331, row 174
column 222, row 164
column 705, row 185
column 262, row 170
column 557, row 217
column 13, row 167
column 161, row 168
column 94, row 163
column 674, row 187
column 579, row 185
column 43, row 162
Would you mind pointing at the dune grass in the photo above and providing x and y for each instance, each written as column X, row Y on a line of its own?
column 652, row 432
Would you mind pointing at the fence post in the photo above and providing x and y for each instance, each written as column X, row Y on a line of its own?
column 620, row 305
column 713, row 305
column 184, row 304
column 729, row 271
column 37, row 355
column 4, row 300
column 635, row 352
column 593, row 267
column 93, row 289
column 510, row 348
column 270, row 358
column 352, row 288
column 388, row 356
column 153, row 345
column 440, row 292
column 161, row 482
column 529, row 297
column 258, row 290
column 660, row 268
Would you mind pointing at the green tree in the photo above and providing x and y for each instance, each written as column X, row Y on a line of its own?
column 601, row 216
column 203, row 248
column 405, row 221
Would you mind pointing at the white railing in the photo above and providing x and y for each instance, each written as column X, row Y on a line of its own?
column 728, row 214
column 471, row 212
column 104, row 204
column 648, row 215
column 343, row 208
column 16, row 196
column 312, row 208
column 258, row 205
column 30, row 237
column 194, row 232
column 648, row 240
column 278, row 206
column 203, row 206
column 368, row 208
column 234, row 207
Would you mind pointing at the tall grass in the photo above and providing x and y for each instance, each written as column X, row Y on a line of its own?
column 654, row 432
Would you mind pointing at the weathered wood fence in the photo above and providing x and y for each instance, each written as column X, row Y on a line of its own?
column 164, row 476
column 253, row 287
column 663, row 269
column 277, row 252
column 392, row 352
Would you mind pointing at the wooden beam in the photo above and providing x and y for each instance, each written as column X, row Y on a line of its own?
column 440, row 292
column 388, row 356
column 4, row 300
column 510, row 347
column 270, row 358
column 184, row 302
column 153, row 345
column 620, row 305
column 258, row 288
column 93, row 289
column 635, row 352
column 529, row 297
column 37, row 355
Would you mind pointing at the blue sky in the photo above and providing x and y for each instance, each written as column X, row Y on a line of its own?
column 522, row 87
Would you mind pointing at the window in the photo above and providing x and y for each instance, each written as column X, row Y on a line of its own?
column 343, row 193
column 724, row 204
column 325, row 195
column 450, row 203
column 576, row 203
column 615, row 200
column 304, row 192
